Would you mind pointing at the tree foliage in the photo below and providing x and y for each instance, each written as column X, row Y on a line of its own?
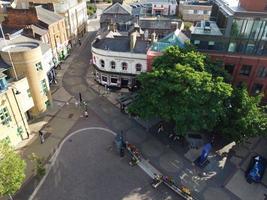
column 245, row 117
column 11, row 170
column 185, row 87
column 192, row 99
column 188, row 56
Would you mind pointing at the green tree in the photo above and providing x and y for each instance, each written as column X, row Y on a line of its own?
column 11, row 170
column 245, row 117
column 190, row 57
column 191, row 99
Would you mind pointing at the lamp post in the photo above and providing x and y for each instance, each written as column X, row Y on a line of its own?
column 9, row 55
column 24, row 124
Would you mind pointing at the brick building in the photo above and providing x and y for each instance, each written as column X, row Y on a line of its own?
column 45, row 25
column 237, row 36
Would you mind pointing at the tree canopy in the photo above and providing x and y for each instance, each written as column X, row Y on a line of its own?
column 11, row 170
column 244, row 117
column 192, row 99
column 185, row 87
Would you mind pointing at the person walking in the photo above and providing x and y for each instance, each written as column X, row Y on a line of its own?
column 160, row 129
column 41, row 135
column 80, row 43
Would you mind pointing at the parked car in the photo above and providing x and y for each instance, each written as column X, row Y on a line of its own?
column 256, row 169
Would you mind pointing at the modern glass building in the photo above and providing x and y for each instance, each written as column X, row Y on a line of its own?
column 237, row 35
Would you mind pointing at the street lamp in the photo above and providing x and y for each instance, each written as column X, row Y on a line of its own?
column 9, row 55
column 16, row 92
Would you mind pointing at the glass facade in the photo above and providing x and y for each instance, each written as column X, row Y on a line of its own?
column 241, row 34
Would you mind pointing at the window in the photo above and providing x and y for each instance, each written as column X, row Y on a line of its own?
column 232, row 47
column 102, row 63
column 124, row 66
column 245, row 70
column 4, row 116
column 39, row 66
column 205, row 12
column 195, row 11
column 262, row 72
column 196, row 42
column 256, row 89
column 229, row 68
column 112, row 64
column 138, row 67
column 113, row 80
column 29, row 93
column 44, row 86
column 104, row 79
column 211, row 43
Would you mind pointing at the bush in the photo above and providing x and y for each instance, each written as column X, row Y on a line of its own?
column 91, row 9
column 39, row 168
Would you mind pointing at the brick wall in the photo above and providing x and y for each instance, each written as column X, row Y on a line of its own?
column 257, row 5
column 19, row 18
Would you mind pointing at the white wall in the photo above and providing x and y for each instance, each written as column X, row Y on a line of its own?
column 25, row 102
column 119, row 57
column 47, row 61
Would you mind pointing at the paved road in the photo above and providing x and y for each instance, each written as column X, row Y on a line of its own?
column 88, row 167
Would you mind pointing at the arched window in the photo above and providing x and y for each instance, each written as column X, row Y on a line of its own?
column 102, row 63
column 138, row 67
column 124, row 66
column 112, row 64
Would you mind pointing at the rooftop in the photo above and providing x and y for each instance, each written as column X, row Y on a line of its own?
column 207, row 28
column 176, row 38
column 232, row 7
column 23, row 43
column 158, row 1
column 157, row 23
column 38, row 30
column 202, row 3
column 19, row 47
column 46, row 16
column 121, row 44
column 118, row 8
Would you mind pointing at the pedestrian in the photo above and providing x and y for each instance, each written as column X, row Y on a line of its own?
column 86, row 113
column 160, row 129
column 80, row 43
column 41, row 134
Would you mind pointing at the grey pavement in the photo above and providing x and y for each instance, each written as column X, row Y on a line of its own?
column 95, row 170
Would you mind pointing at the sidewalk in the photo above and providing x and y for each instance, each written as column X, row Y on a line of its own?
column 64, row 110
column 223, row 177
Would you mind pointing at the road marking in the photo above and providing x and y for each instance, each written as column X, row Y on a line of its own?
column 54, row 157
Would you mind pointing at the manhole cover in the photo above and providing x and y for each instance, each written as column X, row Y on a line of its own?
column 70, row 115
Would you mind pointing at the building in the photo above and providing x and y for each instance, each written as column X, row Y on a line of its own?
column 237, row 36
column 73, row 11
column 119, row 15
column 176, row 38
column 27, row 61
column 194, row 11
column 118, row 59
column 46, row 25
column 15, row 101
column 159, row 7
column 161, row 26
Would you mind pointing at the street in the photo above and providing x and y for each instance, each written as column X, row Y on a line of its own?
column 88, row 167
column 88, row 163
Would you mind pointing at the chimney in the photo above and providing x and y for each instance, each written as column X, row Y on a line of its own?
column 258, row 5
column 133, row 38
column 153, row 37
